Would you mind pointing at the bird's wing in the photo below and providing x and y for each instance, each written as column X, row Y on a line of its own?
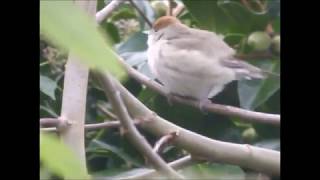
column 245, row 70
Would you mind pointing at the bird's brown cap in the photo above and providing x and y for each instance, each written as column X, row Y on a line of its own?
column 164, row 21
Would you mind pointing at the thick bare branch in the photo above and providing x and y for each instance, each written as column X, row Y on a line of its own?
column 74, row 96
column 259, row 159
column 131, row 131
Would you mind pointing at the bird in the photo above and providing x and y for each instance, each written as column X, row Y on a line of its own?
column 193, row 63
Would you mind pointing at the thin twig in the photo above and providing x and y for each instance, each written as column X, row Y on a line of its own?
column 245, row 115
column 141, row 13
column 90, row 127
column 131, row 131
column 151, row 173
column 107, row 112
column 170, row 7
column 178, row 10
column 246, row 4
column 261, row 6
column 163, row 141
column 106, row 11
column 49, row 122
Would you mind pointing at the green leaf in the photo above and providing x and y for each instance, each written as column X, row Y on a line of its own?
column 137, row 42
column 225, row 16
column 100, row 4
column 134, row 52
column 67, row 26
column 96, row 144
column 255, row 92
column 243, row 20
column 208, row 15
column 48, row 86
column 146, row 9
column 59, row 159
column 112, row 30
column 147, row 96
column 213, row 171
column 276, row 25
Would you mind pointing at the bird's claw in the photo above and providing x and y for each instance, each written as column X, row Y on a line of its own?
column 202, row 104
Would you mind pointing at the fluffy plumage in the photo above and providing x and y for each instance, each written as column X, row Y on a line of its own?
column 191, row 62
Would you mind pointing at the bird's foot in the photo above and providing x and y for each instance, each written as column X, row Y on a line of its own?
column 170, row 97
column 202, row 103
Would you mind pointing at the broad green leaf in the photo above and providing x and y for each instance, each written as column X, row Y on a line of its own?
column 48, row 86
column 146, row 9
column 134, row 52
column 138, row 42
column 112, row 30
column 135, row 58
column 66, row 25
column 253, row 93
column 96, row 145
column 243, row 20
column 208, row 15
column 100, row 4
column 225, row 16
column 147, row 96
column 59, row 159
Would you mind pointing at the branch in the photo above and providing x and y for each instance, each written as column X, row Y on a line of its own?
column 141, row 13
column 171, row 6
column 131, row 132
column 49, row 122
column 74, row 97
column 245, row 115
column 90, row 127
column 151, row 173
column 259, row 159
column 106, row 11
column 106, row 111
column 178, row 10
column 163, row 141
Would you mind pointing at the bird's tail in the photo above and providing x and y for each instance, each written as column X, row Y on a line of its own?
column 245, row 70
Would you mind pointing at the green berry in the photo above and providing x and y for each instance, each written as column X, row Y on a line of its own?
column 160, row 8
column 249, row 134
column 276, row 44
column 259, row 41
